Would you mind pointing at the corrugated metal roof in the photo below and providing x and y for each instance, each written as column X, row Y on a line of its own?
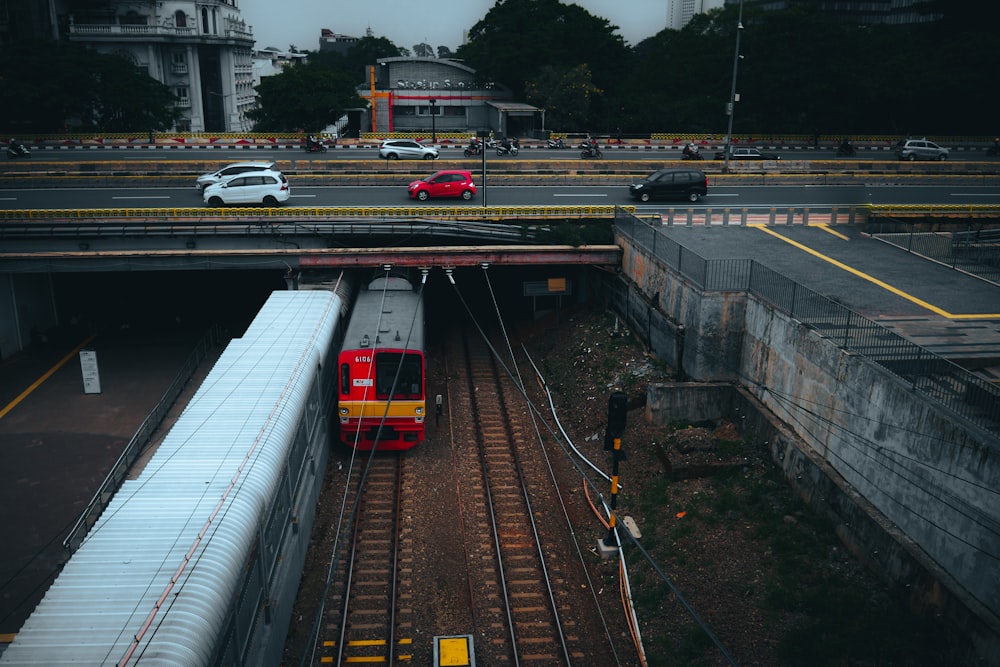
column 181, row 532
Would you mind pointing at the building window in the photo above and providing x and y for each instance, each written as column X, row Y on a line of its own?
column 179, row 58
column 182, row 93
column 204, row 20
column 180, row 19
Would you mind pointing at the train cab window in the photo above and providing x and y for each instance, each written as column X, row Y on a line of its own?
column 345, row 379
column 409, row 384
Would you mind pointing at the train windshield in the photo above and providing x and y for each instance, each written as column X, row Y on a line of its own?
column 409, row 383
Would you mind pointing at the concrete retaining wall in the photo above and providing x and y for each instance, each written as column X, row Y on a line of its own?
column 919, row 498
column 863, row 529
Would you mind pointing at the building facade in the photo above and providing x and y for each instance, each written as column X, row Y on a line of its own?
column 201, row 49
column 427, row 95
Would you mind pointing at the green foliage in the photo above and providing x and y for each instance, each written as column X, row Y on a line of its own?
column 518, row 39
column 565, row 95
column 49, row 86
column 304, row 96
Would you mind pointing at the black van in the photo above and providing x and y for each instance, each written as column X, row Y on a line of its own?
column 690, row 184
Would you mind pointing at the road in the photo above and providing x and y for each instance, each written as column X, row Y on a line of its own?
column 728, row 196
column 370, row 151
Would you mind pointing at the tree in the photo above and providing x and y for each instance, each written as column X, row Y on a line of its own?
column 565, row 95
column 423, row 50
column 50, row 85
column 518, row 38
column 304, row 96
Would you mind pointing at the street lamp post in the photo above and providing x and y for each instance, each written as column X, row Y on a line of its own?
column 434, row 137
column 731, row 107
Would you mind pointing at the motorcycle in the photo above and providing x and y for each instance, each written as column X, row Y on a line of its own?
column 555, row 143
column 591, row 151
column 475, row 148
column 994, row 149
column 846, row 150
column 315, row 146
column 691, row 152
column 17, row 150
column 509, row 148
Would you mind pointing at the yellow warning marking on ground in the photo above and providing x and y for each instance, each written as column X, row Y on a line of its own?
column 325, row 660
column 379, row 658
column 37, row 383
column 886, row 286
column 367, row 642
column 826, row 228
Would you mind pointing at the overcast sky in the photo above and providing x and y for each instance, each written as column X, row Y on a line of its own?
column 279, row 23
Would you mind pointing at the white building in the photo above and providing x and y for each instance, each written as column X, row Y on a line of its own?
column 201, row 49
column 680, row 12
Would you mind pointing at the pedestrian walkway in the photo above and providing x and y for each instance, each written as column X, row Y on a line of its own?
column 58, row 444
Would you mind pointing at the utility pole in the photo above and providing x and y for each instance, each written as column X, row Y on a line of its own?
column 731, row 107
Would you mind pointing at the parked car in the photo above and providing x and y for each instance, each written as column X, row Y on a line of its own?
column 402, row 149
column 269, row 188
column 746, row 154
column 690, row 184
column 447, row 183
column 920, row 149
column 214, row 177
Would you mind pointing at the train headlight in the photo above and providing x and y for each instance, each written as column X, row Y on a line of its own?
column 344, row 412
column 419, row 411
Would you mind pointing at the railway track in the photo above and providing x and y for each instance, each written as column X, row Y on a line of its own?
column 364, row 623
column 515, row 604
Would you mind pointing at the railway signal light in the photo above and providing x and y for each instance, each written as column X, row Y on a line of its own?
column 617, row 411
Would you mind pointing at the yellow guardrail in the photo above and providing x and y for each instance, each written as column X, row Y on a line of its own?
column 297, row 212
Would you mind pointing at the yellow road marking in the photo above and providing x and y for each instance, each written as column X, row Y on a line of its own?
column 886, row 286
column 826, row 228
column 37, row 383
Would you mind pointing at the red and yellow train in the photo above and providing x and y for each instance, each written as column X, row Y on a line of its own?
column 381, row 372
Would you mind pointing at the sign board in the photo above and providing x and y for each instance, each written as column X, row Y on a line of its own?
column 91, row 374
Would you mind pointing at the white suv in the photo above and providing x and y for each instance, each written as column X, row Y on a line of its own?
column 396, row 149
column 920, row 149
column 214, row 177
column 269, row 188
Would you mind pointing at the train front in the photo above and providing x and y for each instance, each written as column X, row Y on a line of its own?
column 381, row 368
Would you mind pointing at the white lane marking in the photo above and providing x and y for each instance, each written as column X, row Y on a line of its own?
column 581, row 195
column 145, row 197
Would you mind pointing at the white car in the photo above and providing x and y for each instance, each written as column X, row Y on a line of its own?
column 401, row 149
column 269, row 188
column 214, row 177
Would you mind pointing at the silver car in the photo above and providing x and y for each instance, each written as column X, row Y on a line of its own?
column 920, row 149
column 404, row 149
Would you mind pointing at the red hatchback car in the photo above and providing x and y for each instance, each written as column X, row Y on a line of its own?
column 446, row 183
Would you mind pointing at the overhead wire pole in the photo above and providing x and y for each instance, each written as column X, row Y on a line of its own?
column 731, row 107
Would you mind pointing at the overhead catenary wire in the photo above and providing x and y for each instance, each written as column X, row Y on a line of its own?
column 344, row 518
column 646, row 555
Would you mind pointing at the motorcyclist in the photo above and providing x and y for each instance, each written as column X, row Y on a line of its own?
column 690, row 151
column 312, row 141
column 845, row 147
column 474, row 146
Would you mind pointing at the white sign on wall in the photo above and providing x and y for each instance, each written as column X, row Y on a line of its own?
column 91, row 375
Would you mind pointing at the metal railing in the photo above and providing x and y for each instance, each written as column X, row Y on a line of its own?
column 941, row 380
column 119, row 471
column 976, row 252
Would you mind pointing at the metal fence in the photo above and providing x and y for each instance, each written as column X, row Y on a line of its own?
column 976, row 251
column 957, row 389
column 137, row 444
